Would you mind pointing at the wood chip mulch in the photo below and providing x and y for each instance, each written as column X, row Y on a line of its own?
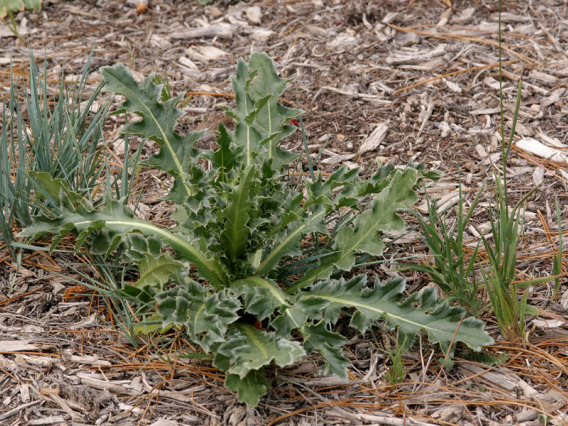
column 380, row 80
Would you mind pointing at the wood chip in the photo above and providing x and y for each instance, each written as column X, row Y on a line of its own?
column 548, row 323
column 415, row 56
column 543, row 77
column 254, row 15
column 342, row 42
column 485, row 111
column 337, row 158
column 24, row 392
column 375, row 139
column 454, row 87
column 94, row 381
column 5, row 31
column 7, row 346
column 481, row 151
column 21, row 408
column 186, row 62
column 371, row 98
column 49, row 420
column 205, row 53
column 89, row 360
column 445, row 17
column 40, row 361
column 508, row 17
column 465, row 16
column 218, row 30
column 262, row 34
column 500, row 381
column 553, row 98
column 539, row 149
column 538, row 176
column 425, row 66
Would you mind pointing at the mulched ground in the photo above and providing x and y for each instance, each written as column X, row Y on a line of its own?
column 380, row 80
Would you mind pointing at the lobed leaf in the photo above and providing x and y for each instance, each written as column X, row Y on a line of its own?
column 261, row 119
column 289, row 243
column 225, row 157
column 248, row 349
column 442, row 323
column 330, row 346
column 207, row 316
column 158, row 120
column 110, row 225
column 250, row 388
column 261, row 297
column 237, row 215
column 17, row 5
column 156, row 269
column 363, row 235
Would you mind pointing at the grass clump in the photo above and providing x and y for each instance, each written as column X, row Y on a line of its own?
column 57, row 135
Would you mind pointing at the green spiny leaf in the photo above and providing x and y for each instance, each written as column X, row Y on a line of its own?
column 55, row 189
column 247, row 349
column 158, row 122
column 250, row 388
column 245, row 135
column 206, row 316
column 261, row 119
column 116, row 221
column 363, row 236
column 158, row 271
column 12, row 5
column 261, row 297
column 33, row 4
column 380, row 217
column 236, row 230
column 225, row 157
column 294, row 317
column 329, row 345
column 138, row 247
column 288, row 244
column 439, row 320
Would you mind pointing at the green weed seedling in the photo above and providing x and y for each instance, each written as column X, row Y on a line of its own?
column 231, row 277
column 456, row 277
column 396, row 373
column 451, row 272
column 506, row 227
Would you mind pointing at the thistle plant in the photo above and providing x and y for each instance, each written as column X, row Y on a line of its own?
column 244, row 270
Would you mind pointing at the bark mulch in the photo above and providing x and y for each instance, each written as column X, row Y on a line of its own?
column 380, row 80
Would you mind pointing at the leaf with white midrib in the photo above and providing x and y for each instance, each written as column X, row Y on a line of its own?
column 443, row 324
column 119, row 222
column 363, row 235
column 236, row 232
column 287, row 244
column 158, row 119
column 248, row 349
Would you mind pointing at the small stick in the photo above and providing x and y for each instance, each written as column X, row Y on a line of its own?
column 465, row 38
column 412, row 86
